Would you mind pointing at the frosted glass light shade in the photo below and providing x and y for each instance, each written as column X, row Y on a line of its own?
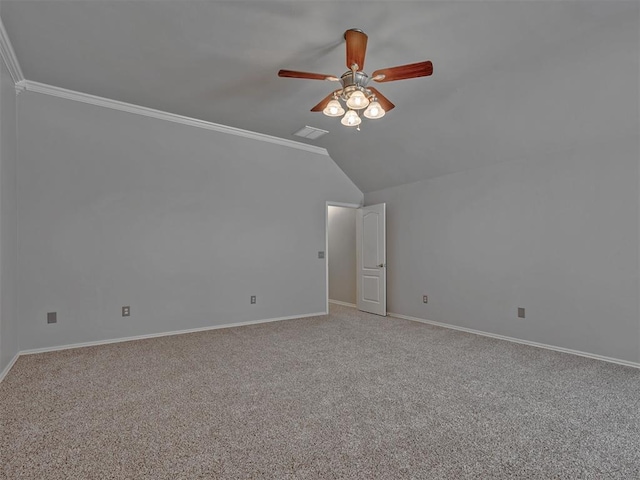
column 357, row 100
column 351, row 119
column 333, row 109
column 374, row 111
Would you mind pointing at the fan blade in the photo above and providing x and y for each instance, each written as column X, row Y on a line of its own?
column 320, row 107
column 356, row 48
column 307, row 75
column 413, row 70
column 382, row 100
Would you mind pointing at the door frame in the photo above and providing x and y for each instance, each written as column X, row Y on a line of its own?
column 326, row 242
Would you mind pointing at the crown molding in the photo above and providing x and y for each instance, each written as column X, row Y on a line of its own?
column 9, row 56
column 37, row 87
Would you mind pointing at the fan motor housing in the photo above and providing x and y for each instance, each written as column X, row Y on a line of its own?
column 348, row 79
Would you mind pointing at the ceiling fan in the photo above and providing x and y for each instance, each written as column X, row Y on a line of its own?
column 355, row 91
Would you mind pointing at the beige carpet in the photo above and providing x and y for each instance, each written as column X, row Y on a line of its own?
column 350, row 395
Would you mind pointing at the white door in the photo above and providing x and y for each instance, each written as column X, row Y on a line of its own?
column 371, row 259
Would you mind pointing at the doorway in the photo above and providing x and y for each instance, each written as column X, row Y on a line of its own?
column 341, row 254
column 356, row 256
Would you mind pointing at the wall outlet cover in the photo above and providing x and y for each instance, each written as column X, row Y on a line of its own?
column 126, row 311
column 425, row 299
column 320, row 254
column 253, row 299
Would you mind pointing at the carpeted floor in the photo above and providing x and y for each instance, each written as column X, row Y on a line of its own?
column 350, row 395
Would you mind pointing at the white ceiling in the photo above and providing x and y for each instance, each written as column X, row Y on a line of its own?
column 512, row 79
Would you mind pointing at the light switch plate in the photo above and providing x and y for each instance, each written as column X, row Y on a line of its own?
column 320, row 254
column 52, row 317
column 520, row 312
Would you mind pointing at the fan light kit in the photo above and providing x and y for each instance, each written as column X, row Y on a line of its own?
column 356, row 94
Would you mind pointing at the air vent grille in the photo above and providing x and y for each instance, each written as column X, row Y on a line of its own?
column 312, row 133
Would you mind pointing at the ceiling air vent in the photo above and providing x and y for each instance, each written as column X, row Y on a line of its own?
column 311, row 133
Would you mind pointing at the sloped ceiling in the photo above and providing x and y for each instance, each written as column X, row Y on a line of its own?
column 511, row 80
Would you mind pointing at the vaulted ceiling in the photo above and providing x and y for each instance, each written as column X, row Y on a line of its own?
column 511, row 80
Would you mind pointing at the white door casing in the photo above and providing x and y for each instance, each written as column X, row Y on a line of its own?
column 371, row 259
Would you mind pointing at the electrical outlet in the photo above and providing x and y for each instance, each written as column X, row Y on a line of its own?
column 126, row 311
column 425, row 299
column 320, row 254
column 520, row 312
column 253, row 299
column 52, row 317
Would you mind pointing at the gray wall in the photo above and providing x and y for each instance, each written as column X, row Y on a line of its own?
column 8, row 218
column 556, row 235
column 180, row 223
column 342, row 254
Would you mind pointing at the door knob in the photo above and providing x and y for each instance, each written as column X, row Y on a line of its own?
column 382, row 265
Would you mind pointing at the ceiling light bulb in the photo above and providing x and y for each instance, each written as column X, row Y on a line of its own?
column 333, row 109
column 357, row 100
column 351, row 119
column 374, row 111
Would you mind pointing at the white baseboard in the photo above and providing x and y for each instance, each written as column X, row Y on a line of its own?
column 344, row 304
column 626, row 363
column 165, row 334
column 317, row 314
column 151, row 335
column 8, row 367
